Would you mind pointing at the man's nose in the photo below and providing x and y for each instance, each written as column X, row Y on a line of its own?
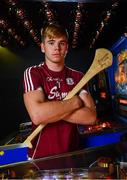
column 57, row 46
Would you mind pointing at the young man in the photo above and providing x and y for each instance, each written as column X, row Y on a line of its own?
column 45, row 87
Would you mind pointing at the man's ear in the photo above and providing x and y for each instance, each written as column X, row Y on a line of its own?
column 42, row 47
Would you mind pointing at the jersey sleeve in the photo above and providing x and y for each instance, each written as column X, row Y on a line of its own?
column 32, row 79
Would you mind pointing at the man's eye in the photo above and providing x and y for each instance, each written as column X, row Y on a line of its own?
column 51, row 43
column 62, row 43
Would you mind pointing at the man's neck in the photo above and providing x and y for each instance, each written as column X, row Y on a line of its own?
column 55, row 66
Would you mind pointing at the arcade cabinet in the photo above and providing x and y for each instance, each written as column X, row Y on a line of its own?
column 109, row 90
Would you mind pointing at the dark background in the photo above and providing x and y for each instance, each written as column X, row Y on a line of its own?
column 14, row 58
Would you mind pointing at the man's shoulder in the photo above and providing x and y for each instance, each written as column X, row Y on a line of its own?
column 34, row 67
column 74, row 71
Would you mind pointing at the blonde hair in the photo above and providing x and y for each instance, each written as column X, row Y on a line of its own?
column 53, row 30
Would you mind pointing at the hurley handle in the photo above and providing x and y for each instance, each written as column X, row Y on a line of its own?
column 102, row 60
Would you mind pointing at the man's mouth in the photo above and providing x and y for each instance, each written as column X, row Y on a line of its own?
column 56, row 54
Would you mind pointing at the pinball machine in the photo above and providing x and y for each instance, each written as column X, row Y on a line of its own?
column 89, row 163
column 109, row 90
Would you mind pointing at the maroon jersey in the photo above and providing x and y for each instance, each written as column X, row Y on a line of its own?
column 61, row 136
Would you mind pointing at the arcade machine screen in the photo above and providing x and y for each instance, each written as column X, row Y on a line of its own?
column 118, row 78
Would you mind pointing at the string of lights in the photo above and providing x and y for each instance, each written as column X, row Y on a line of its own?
column 104, row 22
column 48, row 13
column 5, row 25
column 21, row 14
column 77, row 24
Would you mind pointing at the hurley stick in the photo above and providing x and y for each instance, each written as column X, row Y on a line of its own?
column 102, row 60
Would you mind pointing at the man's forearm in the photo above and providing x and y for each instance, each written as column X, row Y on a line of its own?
column 83, row 115
column 48, row 112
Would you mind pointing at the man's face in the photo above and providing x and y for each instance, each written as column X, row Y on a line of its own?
column 55, row 49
